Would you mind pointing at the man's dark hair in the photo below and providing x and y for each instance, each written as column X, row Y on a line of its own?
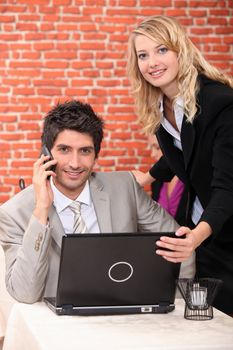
column 72, row 115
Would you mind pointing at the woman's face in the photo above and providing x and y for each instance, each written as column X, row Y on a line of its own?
column 157, row 64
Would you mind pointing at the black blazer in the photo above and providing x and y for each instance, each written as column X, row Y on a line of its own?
column 206, row 167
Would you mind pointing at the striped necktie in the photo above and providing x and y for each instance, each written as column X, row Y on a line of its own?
column 79, row 224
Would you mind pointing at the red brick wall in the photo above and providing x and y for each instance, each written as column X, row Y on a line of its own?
column 77, row 49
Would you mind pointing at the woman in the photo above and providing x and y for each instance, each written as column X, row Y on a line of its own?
column 171, row 195
column 189, row 104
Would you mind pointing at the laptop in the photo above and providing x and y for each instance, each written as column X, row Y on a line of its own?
column 119, row 273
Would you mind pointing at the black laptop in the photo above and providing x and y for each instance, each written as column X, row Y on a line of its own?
column 104, row 274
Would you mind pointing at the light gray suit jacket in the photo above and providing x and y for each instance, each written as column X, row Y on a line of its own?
column 32, row 250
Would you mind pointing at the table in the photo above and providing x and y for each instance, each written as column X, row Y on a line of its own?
column 6, row 301
column 36, row 327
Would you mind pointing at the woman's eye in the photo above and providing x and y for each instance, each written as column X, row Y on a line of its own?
column 142, row 56
column 163, row 50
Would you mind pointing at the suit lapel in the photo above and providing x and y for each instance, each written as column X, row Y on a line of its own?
column 101, row 202
column 57, row 230
column 187, row 140
column 173, row 154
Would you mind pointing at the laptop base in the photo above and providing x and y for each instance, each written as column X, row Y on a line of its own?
column 108, row 310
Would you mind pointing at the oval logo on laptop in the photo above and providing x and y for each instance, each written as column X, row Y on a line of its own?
column 120, row 271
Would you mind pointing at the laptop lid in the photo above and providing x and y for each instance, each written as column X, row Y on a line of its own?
column 114, row 273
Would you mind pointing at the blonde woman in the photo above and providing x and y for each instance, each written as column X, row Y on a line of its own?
column 189, row 105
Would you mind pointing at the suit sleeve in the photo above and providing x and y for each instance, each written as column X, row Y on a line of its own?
column 220, row 206
column 161, row 171
column 26, row 255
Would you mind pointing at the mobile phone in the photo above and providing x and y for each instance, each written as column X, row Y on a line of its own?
column 45, row 151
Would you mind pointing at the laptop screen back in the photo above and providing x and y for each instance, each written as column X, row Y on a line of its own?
column 114, row 269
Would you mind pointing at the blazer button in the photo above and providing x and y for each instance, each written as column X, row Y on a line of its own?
column 40, row 237
column 37, row 245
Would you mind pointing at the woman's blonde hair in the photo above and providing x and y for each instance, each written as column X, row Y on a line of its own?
column 167, row 31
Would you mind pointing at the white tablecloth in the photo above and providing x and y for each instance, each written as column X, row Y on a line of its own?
column 35, row 327
column 6, row 301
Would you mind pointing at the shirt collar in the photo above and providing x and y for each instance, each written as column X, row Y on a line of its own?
column 61, row 201
column 179, row 114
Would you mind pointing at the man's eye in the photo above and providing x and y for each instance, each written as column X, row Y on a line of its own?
column 86, row 150
column 63, row 149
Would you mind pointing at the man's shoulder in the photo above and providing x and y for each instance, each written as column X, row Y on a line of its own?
column 119, row 176
column 22, row 199
column 122, row 181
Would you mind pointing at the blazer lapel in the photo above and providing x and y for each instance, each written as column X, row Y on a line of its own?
column 57, row 230
column 173, row 154
column 101, row 202
column 187, row 140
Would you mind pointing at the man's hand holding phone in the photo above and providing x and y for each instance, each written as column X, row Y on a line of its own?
column 43, row 191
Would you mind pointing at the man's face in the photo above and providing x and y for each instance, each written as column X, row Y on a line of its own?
column 75, row 155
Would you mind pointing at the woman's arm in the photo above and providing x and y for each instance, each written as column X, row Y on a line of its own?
column 143, row 178
column 159, row 171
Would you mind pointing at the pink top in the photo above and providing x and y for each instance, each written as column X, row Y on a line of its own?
column 171, row 203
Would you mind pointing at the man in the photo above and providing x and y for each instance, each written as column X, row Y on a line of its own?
column 33, row 222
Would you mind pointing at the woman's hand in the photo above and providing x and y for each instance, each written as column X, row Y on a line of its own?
column 143, row 178
column 180, row 249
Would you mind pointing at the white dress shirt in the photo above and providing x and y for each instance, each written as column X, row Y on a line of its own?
column 66, row 215
column 197, row 208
